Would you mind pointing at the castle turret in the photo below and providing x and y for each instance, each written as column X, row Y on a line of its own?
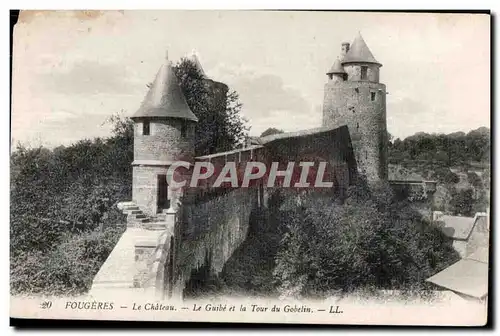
column 337, row 72
column 164, row 129
column 357, row 99
column 193, row 57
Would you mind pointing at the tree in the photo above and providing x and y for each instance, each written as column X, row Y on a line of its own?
column 446, row 176
column 271, row 131
column 474, row 179
column 219, row 127
column 462, row 202
column 445, row 150
column 367, row 241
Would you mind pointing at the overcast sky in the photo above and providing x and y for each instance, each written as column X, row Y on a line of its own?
column 72, row 70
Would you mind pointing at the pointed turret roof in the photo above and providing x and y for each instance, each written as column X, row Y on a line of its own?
column 193, row 57
column 336, row 68
column 165, row 97
column 359, row 52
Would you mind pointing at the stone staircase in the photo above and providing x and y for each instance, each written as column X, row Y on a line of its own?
column 137, row 218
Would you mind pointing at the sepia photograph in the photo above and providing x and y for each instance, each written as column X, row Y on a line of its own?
column 281, row 167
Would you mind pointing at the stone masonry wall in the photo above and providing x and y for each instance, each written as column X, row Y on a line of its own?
column 350, row 103
column 145, row 188
column 165, row 142
column 332, row 146
column 214, row 229
column 354, row 72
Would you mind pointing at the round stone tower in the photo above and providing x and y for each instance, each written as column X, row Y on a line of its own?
column 163, row 134
column 355, row 97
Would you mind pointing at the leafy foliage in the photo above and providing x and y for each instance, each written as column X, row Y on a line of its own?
column 454, row 149
column 474, row 179
column 271, row 131
column 368, row 241
column 68, row 268
column 462, row 202
column 445, row 176
column 220, row 126
column 61, row 199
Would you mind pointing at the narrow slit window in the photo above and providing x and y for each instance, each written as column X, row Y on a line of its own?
column 145, row 128
column 374, row 96
column 364, row 72
column 183, row 130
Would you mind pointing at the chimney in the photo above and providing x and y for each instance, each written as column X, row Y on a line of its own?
column 345, row 49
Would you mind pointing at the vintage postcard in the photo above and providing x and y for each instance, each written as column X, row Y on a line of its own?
column 251, row 166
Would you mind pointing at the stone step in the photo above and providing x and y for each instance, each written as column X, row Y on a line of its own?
column 122, row 205
column 139, row 215
column 130, row 208
column 134, row 212
column 154, row 226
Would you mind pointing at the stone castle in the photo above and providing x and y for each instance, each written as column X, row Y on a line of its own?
column 170, row 233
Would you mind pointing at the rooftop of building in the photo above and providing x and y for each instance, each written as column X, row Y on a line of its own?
column 468, row 276
column 359, row 52
column 336, row 68
column 165, row 97
column 194, row 58
column 458, row 227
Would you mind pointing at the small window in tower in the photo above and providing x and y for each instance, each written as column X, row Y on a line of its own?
column 145, row 127
column 364, row 72
column 374, row 96
column 357, row 125
column 183, row 130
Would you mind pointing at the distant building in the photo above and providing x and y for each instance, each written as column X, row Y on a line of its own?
column 468, row 233
column 468, row 278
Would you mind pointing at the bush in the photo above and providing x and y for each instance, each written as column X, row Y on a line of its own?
column 67, row 269
column 368, row 241
column 462, row 202
column 446, row 176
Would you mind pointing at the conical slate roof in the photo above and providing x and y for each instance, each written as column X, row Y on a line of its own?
column 359, row 52
column 165, row 97
column 336, row 68
column 194, row 58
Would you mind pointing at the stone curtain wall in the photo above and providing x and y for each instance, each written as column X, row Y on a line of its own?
column 213, row 229
column 325, row 144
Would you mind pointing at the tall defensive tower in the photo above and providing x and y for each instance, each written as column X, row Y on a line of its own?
column 355, row 97
column 163, row 134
